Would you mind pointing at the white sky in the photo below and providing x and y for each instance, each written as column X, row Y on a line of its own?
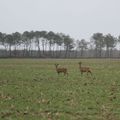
column 78, row 18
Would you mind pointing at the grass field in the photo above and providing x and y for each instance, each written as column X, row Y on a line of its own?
column 30, row 89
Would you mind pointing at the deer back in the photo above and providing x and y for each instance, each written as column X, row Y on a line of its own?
column 61, row 69
column 84, row 69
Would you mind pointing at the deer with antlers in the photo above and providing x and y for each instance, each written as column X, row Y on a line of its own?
column 84, row 69
column 61, row 70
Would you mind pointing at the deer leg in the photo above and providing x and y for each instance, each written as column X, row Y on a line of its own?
column 66, row 73
column 81, row 73
column 90, row 72
column 87, row 73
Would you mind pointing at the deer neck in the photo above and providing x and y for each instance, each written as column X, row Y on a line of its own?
column 80, row 66
column 56, row 67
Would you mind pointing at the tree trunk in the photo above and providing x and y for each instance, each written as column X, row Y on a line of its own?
column 66, row 51
column 10, row 51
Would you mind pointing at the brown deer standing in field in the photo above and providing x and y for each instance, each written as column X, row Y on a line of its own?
column 84, row 69
column 61, row 70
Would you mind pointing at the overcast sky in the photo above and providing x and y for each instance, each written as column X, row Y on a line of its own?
column 78, row 18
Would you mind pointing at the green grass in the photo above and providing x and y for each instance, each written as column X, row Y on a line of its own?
column 30, row 89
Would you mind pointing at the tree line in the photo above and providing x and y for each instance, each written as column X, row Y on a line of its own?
column 43, row 44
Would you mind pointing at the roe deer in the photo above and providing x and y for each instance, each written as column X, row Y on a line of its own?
column 84, row 69
column 61, row 70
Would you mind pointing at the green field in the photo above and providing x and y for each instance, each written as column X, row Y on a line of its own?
column 30, row 89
